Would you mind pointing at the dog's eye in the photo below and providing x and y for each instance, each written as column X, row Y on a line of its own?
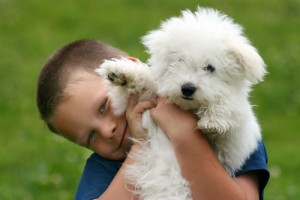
column 181, row 60
column 209, row 68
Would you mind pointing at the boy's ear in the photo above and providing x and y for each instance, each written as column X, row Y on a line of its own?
column 253, row 66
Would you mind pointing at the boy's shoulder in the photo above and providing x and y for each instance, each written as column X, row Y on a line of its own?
column 96, row 177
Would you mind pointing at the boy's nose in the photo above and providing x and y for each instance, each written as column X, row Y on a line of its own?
column 107, row 131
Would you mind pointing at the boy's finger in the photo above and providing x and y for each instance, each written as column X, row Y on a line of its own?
column 133, row 99
column 142, row 106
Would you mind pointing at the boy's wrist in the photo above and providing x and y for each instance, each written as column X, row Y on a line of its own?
column 187, row 138
column 139, row 136
column 134, row 149
column 136, row 146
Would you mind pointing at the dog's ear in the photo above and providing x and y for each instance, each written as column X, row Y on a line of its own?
column 156, row 43
column 253, row 66
column 158, row 49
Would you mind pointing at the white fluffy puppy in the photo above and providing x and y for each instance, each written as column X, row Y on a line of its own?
column 202, row 62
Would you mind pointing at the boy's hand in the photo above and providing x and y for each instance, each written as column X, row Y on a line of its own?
column 134, row 116
column 174, row 121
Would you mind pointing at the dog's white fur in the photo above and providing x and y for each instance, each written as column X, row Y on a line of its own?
column 202, row 62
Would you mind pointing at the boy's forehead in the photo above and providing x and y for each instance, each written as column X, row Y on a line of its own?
column 81, row 75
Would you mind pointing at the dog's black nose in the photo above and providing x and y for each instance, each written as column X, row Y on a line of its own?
column 188, row 89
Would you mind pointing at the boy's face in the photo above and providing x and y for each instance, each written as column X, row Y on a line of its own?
column 86, row 118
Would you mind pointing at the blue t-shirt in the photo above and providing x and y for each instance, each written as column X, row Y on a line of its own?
column 99, row 172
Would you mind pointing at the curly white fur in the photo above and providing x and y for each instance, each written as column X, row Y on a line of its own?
column 202, row 62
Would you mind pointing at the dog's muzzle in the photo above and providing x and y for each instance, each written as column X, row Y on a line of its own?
column 188, row 90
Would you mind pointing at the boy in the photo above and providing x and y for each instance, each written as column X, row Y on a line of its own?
column 73, row 102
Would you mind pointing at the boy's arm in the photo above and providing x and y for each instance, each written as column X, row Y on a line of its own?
column 119, row 188
column 207, row 178
column 198, row 163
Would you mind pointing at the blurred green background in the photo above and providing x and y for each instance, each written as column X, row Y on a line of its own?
column 35, row 164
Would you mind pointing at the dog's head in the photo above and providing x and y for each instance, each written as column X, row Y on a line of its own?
column 200, row 57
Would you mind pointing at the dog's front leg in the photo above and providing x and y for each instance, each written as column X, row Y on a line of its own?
column 133, row 76
column 215, row 119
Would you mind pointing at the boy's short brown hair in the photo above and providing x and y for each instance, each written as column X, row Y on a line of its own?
column 83, row 55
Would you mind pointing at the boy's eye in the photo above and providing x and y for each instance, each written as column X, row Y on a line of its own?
column 90, row 138
column 103, row 107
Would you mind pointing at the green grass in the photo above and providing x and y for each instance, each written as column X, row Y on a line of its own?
column 36, row 164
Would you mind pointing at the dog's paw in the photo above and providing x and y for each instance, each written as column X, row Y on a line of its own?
column 212, row 126
column 117, row 78
column 113, row 71
column 132, row 75
column 208, row 130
